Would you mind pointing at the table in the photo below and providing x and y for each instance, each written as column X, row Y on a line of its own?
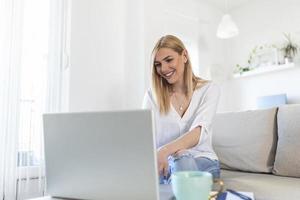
column 165, row 193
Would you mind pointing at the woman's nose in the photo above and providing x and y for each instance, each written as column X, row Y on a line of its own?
column 164, row 67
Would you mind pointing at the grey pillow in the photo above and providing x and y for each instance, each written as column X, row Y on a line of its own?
column 246, row 140
column 287, row 160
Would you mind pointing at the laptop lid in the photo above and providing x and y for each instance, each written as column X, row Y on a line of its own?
column 101, row 155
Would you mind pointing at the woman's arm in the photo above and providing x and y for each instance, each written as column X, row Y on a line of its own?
column 186, row 141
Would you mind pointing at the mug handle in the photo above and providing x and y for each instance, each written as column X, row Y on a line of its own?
column 221, row 188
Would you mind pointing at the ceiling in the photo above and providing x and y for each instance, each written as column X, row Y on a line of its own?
column 221, row 4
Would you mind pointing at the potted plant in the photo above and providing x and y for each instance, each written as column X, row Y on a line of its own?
column 289, row 48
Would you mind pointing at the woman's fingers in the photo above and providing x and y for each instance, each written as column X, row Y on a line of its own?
column 162, row 161
column 163, row 169
column 160, row 169
column 166, row 169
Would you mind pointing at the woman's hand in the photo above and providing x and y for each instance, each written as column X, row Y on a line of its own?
column 162, row 161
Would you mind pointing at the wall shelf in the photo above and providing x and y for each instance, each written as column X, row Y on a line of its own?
column 266, row 69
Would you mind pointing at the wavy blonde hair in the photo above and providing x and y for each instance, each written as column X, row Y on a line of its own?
column 162, row 89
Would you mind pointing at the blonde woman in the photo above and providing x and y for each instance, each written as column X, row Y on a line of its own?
column 184, row 106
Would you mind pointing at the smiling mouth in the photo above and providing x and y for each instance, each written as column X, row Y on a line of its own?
column 169, row 74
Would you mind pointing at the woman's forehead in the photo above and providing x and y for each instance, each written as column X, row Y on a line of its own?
column 163, row 53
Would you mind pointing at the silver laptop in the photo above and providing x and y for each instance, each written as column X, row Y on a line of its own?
column 101, row 155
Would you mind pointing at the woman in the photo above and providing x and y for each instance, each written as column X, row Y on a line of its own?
column 184, row 106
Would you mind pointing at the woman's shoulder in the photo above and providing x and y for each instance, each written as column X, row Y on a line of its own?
column 209, row 91
column 207, row 86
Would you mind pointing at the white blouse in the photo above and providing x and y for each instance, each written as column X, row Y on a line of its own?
column 200, row 112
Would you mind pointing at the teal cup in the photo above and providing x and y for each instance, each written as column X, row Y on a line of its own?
column 192, row 185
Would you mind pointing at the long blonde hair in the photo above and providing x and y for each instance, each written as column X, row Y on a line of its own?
column 162, row 89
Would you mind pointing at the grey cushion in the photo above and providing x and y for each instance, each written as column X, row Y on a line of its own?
column 246, row 140
column 287, row 160
column 263, row 186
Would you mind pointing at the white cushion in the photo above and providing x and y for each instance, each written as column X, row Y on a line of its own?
column 246, row 140
column 287, row 160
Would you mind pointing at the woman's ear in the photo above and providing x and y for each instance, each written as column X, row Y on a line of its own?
column 185, row 56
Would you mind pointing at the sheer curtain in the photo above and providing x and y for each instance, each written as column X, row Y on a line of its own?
column 10, row 59
column 33, row 62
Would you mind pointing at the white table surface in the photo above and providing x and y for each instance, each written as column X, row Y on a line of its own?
column 165, row 192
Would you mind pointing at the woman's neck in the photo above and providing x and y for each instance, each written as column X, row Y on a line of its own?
column 179, row 87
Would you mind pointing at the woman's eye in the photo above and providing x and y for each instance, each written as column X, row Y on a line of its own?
column 169, row 60
column 156, row 65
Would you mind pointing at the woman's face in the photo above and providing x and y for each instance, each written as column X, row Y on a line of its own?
column 170, row 65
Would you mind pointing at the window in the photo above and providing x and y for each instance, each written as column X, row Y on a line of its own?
column 33, row 80
column 33, row 37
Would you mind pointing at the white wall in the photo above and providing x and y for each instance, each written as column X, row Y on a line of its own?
column 134, row 69
column 105, row 40
column 241, row 94
column 111, row 43
column 260, row 22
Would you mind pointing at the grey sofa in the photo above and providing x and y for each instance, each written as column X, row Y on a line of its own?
column 259, row 151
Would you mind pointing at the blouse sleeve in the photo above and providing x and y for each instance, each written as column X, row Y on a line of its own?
column 147, row 102
column 206, row 111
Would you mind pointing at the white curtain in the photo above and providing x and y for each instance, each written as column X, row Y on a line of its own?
column 33, row 64
column 10, row 59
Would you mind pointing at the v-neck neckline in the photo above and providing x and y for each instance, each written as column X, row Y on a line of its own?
column 187, row 109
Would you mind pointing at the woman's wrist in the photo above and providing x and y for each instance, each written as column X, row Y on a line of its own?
column 165, row 150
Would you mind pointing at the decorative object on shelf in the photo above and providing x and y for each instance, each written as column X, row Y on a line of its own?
column 260, row 56
column 227, row 28
column 264, row 55
column 289, row 49
column 267, row 58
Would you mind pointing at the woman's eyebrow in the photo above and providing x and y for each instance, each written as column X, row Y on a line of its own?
column 165, row 58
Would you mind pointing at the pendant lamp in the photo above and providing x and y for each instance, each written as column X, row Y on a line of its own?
column 227, row 28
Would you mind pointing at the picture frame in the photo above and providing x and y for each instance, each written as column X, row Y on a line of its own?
column 264, row 57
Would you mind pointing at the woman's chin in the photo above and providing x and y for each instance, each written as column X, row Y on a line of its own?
column 171, row 81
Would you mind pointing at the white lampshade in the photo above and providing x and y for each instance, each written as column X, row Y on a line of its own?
column 227, row 28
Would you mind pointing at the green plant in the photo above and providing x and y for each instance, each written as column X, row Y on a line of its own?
column 252, row 62
column 239, row 69
column 252, row 54
column 290, row 48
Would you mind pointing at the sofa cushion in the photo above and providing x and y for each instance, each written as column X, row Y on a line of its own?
column 263, row 186
column 246, row 140
column 287, row 160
